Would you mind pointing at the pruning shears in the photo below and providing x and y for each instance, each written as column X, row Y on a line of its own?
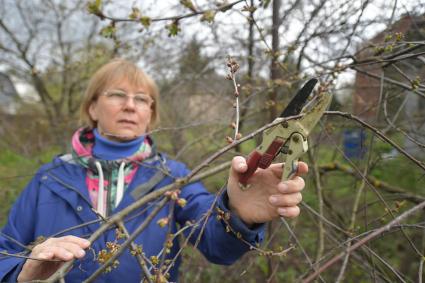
column 290, row 136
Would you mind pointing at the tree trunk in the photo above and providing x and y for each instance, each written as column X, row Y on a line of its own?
column 274, row 67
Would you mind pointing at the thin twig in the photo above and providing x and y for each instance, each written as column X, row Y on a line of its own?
column 352, row 224
column 379, row 133
column 139, row 257
column 319, row 192
column 224, row 7
column 129, row 241
column 366, row 239
column 299, row 245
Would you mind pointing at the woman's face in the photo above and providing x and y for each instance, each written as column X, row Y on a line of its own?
column 122, row 112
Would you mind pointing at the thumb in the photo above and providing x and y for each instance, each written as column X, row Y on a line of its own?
column 238, row 166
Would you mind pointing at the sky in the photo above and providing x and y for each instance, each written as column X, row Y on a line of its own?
column 228, row 21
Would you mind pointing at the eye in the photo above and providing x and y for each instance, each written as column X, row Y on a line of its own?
column 143, row 99
column 116, row 94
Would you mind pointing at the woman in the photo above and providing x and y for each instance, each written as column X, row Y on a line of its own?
column 113, row 163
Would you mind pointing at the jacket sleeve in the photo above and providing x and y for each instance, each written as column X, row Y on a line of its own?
column 18, row 232
column 218, row 244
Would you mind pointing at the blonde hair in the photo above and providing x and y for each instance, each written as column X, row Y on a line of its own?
column 113, row 72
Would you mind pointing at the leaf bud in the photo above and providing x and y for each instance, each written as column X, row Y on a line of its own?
column 181, row 202
column 162, row 222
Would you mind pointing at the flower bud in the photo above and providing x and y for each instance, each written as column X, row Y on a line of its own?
column 181, row 202
column 162, row 222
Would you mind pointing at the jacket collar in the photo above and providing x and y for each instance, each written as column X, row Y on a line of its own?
column 66, row 179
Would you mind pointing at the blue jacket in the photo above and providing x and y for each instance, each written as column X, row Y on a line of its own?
column 57, row 198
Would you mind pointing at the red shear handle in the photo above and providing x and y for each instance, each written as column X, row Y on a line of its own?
column 256, row 159
column 252, row 162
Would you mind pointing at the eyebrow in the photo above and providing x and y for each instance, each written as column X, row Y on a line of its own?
column 136, row 92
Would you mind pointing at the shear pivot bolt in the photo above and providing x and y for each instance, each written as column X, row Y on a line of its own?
column 285, row 124
column 295, row 139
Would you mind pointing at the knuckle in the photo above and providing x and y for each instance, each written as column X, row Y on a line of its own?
column 68, row 238
column 299, row 183
column 238, row 159
column 49, row 241
column 44, row 245
column 52, row 249
column 299, row 197
column 302, row 182
column 37, row 249
column 294, row 199
column 294, row 212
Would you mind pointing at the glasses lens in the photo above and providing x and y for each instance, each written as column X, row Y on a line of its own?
column 119, row 97
column 142, row 99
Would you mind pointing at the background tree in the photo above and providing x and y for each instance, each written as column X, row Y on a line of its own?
column 51, row 46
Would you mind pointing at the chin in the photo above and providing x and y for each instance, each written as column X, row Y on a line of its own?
column 122, row 136
column 128, row 136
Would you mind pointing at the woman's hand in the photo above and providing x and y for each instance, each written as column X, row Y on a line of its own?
column 267, row 197
column 61, row 249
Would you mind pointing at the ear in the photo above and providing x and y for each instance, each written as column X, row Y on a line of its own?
column 93, row 111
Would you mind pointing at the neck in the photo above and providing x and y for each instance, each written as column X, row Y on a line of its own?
column 110, row 150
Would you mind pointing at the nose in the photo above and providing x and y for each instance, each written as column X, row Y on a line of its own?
column 129, row 103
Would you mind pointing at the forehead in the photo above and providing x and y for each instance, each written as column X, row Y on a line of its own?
column 127, row 85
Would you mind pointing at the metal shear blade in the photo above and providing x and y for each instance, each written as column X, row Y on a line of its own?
column 295, row 106
column 315, row 112
column 292, row 134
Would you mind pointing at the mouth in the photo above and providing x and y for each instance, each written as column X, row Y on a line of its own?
column 126, row 122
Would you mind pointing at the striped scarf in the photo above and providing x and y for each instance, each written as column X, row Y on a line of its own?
column 82, row 151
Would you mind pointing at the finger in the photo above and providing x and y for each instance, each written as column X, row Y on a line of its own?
column 72, row 244
column 33, row 264
column 295, row 185
column 75, row 249
column 285, row 200
column 57, row 253
column 64, row 252
column 83, row 243
column 277, row 169
column 289, row 212
column 46, row 255
column 302, row 168
column 239, row 164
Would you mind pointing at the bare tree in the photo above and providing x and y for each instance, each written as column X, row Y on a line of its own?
column 53, row 47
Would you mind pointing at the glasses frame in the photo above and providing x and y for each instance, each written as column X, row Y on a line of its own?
column 149, row 104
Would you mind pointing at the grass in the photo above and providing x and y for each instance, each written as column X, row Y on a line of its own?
column 16, row 171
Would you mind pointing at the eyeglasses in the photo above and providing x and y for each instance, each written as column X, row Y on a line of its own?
column 119, row 97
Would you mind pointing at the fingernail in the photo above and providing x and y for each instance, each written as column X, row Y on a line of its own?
column 241, row 166
column 81, row 253
column 283, row 187
column 282, row 211
column 273, row 199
